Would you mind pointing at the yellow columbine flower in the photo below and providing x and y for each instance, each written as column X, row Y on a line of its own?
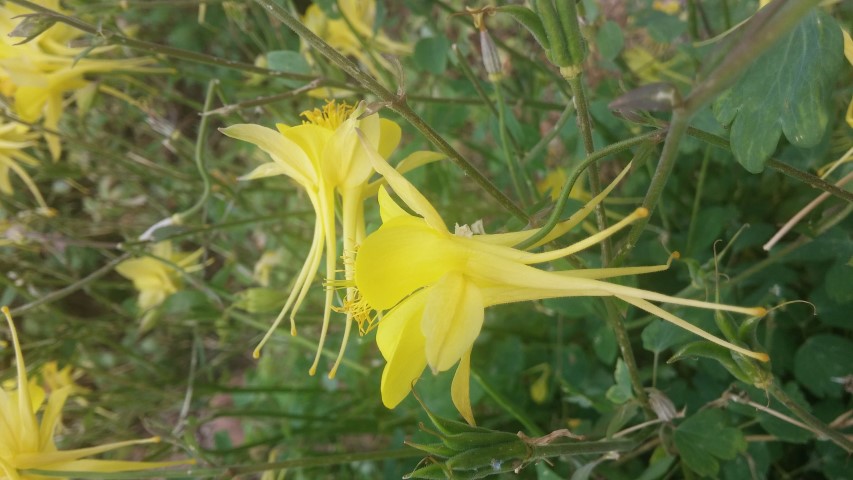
column 669, row 7
column 435, row 285
column 361, row 15
column 14, row 138
column 160, row 275
column 26, row 443
column 324, row 156
column 39, row 73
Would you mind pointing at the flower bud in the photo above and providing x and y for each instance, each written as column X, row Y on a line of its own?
column 491, row 58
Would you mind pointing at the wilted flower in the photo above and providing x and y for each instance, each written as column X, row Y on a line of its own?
column 434, row 286
column 26, row 443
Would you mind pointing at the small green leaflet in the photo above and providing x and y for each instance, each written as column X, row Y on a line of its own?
column 704, row 439
column 785, row 91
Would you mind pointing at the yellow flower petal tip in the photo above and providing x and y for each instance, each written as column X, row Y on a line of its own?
column 675, row 255
column 762, row 357
column 760, row 311
column 641, row 212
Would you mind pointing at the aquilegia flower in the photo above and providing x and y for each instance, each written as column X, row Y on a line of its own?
column 39, row 73
column 324, row 156
column 160, row 275
column 435, row 285
column 26, row 443
column 352, row 39
column 14, row 138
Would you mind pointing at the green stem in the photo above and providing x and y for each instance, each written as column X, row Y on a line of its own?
column 515, row 170
column 396, row 102
column 557, row 212
column 200, row 157
column 577, row 448
column 64, row 292
column 781, row 167
column 469, row 74
column 697, row 201
column 545, row 140
column 508, row 406
column 810, row 179
column 815, row 423
column 614, row 320
column 585, row 126
column 677, row 128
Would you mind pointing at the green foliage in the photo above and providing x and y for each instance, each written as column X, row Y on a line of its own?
column 802, row 69
column 706, row 438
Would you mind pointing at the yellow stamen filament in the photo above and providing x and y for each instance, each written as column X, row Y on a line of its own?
column 331, row 116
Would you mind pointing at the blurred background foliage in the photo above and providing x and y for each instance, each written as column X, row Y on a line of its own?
column 188, row 375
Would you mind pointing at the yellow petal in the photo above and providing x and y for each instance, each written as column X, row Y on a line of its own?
column 402, row 344
column 404, row 255
column 50, row 417
column 460, row 389
column 388, row 208
column 110, row 466
column 389, row 137
column 28, row 427
column 270, row 169
column 411, row 162
column 405, row 190
column 283, row 151
column 452, row 320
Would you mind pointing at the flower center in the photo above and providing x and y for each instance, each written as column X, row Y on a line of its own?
column 331, row 116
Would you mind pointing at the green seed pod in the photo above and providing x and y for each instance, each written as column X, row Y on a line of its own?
column 713, row 351
column 529, row 20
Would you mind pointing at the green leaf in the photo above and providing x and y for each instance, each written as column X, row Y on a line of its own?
column 704, row 439
column 431, row 54
column 290, row 62
column 821, row 361
column 609, row 40
column 839, row 279
column 785, row 91
column 660, row 335
column 621, row 392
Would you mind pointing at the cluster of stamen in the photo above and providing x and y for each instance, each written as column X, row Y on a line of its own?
column 331, row 116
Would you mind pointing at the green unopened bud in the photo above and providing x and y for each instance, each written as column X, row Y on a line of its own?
column 258, row 300
column 32, row 25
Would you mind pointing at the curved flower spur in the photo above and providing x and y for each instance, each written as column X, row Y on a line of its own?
column 435, row 285
column 324, row 156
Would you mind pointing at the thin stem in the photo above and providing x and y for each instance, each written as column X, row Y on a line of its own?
column 810, row 179
column 515, row 171
column 199, row 155
column 64, row 292
column 781, row 167
column 677, row 128
column 697, row 200
column 585, row 126
column 614, row 320
column 469, row 74
column 545, row 140
column 815, row 423
column 396, row 102
column 557, row 212
column 507, row 405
